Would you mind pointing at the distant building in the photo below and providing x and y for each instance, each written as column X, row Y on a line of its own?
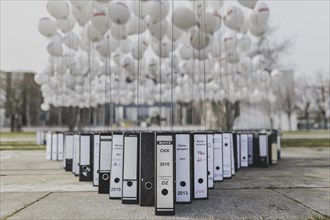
column 20, row 98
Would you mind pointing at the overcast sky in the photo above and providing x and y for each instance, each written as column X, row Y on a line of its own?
column 24, row 48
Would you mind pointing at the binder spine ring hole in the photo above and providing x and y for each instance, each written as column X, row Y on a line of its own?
column 226, row 144
column 208, row 173
column 217, row 168
column 200, row 180
column 84, row 168
column 183, row 183
column 117, row 180
column 129, row 183
column 164, row 192
column 148, row 185
column 105, row 177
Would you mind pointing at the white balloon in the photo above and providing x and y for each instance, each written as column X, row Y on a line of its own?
column 234, row 18
column 230, row 41
column 126, row 46
column 82, row 15
column 260, row 14
column 245, row 27
column 71, row 40
column 158, row 9
column 245, row 65
column 183, row 18
column 136, row 25
column 159, row 29
column 185, row 51
column 119, row 12
column 173, row 33
column 258, row 62
column 276, row 73
column 100, row 22
column 199, row 40
column 214, row 6
column 118, row 31
column 232, row 57
column 201, row 54
column 47, row 27
column 139, row 8
column 44, row 107
column 55, row 49
column 79, row 3
column 199, row 7
column 92, row 34
column 258, row 30
column 244, row 44
column 66, row 25
column 209, row 23
column 58, row 9
column 137, row 54
column 100, row 6
column 163, row 48
column 248, row 3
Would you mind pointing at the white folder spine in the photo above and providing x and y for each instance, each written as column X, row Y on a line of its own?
column 218, row 156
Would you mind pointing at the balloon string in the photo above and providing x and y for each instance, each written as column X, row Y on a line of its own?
column 205, row 117
column 160, row 72
column 227, row 99
column 138, row 73
column 172, row 72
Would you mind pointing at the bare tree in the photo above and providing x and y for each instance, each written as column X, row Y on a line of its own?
column 320, row 91
column 273, row 50
column 304, row 98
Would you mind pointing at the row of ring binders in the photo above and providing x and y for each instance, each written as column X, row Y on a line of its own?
column 161, row 169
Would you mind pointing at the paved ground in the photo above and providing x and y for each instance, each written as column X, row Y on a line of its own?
column 297, row 188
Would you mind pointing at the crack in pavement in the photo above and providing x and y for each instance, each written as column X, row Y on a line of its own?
column 25, row 206
column 300, row 203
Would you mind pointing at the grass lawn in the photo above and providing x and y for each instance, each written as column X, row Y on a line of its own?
column 20, row 145
column 305, row 143
column 7, row 134
column 302, row 132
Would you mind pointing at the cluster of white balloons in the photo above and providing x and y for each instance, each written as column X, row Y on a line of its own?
column 104, row 51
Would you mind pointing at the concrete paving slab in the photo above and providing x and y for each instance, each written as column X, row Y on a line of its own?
column 12, row 202
column 317, row 199
column 289, row 173
column 224, row 204
column 276, row 192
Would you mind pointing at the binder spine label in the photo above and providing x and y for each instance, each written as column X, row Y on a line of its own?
column 60, row 143
column 238, row 150
column 183, row 168
column 263, row 149
column 164, row 174
column 116, row 166
column 96, row 159
column 200, row 166
column 218, row 164
column 244, row 150
column 232, row 154
column 54, row 146
column 226, row 155
column 130, row 169
column 210, row 153
column 49, row 146
column 76, row 143
column 250, row 149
